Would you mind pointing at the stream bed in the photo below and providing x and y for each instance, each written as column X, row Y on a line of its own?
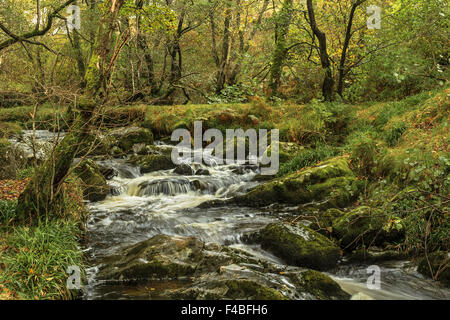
column 163, row 202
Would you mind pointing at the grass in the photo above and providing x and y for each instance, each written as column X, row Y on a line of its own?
column 35, row 260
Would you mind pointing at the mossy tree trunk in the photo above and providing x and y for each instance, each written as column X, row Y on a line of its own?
column 44, row 193
column 280, row 53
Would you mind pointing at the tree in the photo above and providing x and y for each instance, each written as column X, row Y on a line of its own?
column 283, row 20
column 328, row 82
column 30, row 35
column 43, row 195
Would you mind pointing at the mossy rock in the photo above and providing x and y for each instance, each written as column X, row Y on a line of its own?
column 365, row 227
column 319, row 285
column 440, row 265
column 374, row 257
column 97, row 144
column 158, row 257
column 322, row 221
column 127, row 137
column 332, row 183
column 154, row 162
column 95, row 187
column 299, row 245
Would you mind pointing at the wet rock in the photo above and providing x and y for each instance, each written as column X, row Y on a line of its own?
column 299, row 246
column 199, row 185
column 365, row 226
column 140, row 149
column 437, row 267
column 184, row 170
column 332, row 184
column 151, row 163
column 108, row 172
column 95, row 187
column 127, row 137
column 215, row 271
column 202, row 172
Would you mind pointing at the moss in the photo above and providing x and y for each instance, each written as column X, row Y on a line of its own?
column 364, row 226
column 151, row 163
column 370, row 257
column 9, row 129
column 331, row 181
column 287, row 151
column 127, row 137
column 440, row 267
column 321, row 286
column 322, row 221
column 159, row 257
column 95, row 187
column 300, row 246
column 244, row 289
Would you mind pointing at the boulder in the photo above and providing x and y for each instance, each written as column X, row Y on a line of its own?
column 129, row 136
column 184, row 170
column 299, row 245
column 365, row 226
column 153, row 162
column 331, row 184
column 202, row 172
column 94, row 186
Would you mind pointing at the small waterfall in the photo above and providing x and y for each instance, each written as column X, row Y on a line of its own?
column 168, row 187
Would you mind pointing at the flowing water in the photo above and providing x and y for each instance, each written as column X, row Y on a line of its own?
column 144, row 205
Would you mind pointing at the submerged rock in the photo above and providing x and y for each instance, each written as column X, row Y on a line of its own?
column 332, row 183
column 299, row 245
column 95, row 187
column 152, row 163
column 365, row 226
column 216, row 272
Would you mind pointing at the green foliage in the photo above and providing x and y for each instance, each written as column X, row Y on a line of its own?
column 25, row 173
column 7, row 212
column 37, row 258
column 307, row 158
column 363, row 155
column 237, row 93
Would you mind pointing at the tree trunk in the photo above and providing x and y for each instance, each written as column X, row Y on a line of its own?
column 43, row 196
column 328, row 82
column 348, row 36
column 280, row 53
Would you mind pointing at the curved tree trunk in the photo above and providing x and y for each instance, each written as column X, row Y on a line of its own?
column 44, row 193
column 328, row 82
